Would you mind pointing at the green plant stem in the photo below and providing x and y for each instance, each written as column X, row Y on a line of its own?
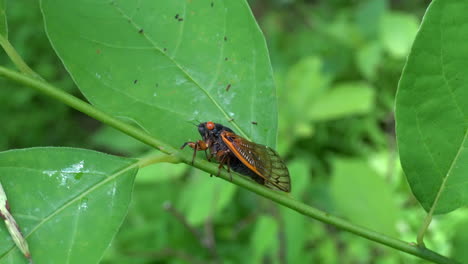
column 279, row 197
column 423, row 229
column 153, row 159
column 16, row 58
column 86, row 108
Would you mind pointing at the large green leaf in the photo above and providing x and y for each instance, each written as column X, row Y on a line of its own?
column 69, row 203
column 363, row 196
column 432, row 109
column 163, row 64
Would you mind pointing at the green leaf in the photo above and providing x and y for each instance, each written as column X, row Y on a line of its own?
column 160, row 172
column 432, row 109
column 68, row 202
column 163, row 64
column 397, row 33
column 264, row 242
column 304, row 82
column 204, row 197
column 368, row 59
column 303, row 85
column 297, row 236
column 343, row 100
column 300, row 169
column 3, row 19
column 368, row 15
column 114, row 140
column 361, row 195
column 460, row 240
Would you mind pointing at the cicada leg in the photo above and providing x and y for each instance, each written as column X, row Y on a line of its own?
column 224, row 158
column 199, row 145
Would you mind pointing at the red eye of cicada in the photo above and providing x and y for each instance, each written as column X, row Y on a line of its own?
column 210, row 125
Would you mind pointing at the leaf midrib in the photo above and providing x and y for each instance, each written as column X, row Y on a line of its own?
column 449, row 173
column 226, row 115
column 72, row 201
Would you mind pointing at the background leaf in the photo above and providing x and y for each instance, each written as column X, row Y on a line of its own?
column 204, row 197
column 397, row 32
column 432, row 109
column 359, row 100
column 58, row 196
column 264, row 244
column 460, row 240
column 363, row 196
column 165, row 63
column 115, row 141
column 3, row 19
column 160, row 172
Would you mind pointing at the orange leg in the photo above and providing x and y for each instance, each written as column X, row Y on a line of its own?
column 199, row 145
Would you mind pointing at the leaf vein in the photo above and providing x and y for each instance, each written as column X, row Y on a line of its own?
column 215, row 102
column 77, row 198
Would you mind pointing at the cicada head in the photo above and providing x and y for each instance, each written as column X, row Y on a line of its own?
column 210, row 130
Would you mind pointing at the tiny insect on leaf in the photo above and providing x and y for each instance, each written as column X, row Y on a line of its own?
column 261, row 163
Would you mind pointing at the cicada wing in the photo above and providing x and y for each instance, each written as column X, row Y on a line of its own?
column 262, row 160
column 277, row 172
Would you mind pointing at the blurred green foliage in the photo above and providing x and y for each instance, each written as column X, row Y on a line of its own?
column 28, row 118
column 337, row 65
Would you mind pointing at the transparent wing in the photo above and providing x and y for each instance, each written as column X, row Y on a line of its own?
column 263, row 160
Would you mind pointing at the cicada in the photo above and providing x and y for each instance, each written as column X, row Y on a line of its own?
column 261, row 163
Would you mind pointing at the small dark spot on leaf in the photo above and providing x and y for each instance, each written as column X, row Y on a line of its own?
column 228, row 87
column 157, row 84
column 254, row 123
column 135, row 81
column 225, row 38
column 176, row 16
column 164, row 49
column 98, row 51
column 226, row 58
column 140, row 31
column 212, row 4
column 180, row 19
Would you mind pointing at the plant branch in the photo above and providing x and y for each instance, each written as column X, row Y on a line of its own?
column 158, row 158
column 279, row 197
column 16, row 58
column 86, row 108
